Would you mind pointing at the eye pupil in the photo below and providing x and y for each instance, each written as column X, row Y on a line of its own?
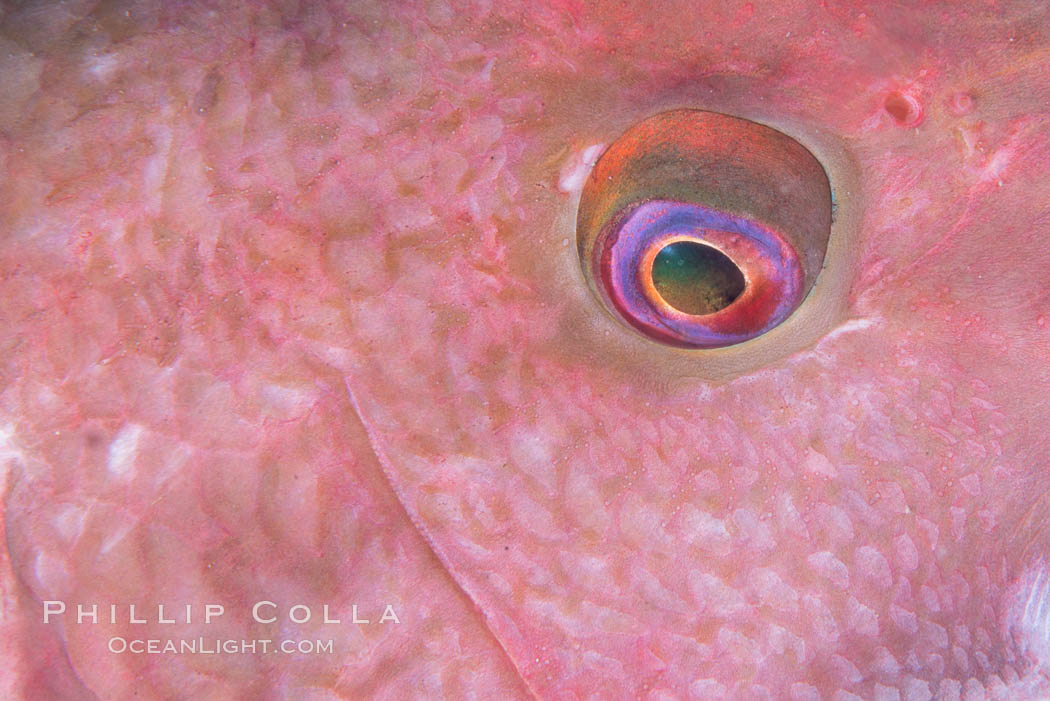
column 695, row 278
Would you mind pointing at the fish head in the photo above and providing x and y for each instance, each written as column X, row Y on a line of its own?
column 334, row 271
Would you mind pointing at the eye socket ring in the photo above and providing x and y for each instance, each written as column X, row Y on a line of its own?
column 750, row 192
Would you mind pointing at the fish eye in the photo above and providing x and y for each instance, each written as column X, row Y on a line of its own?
column 703, row 230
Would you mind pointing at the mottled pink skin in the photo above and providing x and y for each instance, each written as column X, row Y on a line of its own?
column 291, row 313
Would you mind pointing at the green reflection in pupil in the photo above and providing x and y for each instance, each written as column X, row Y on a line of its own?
column 696, row 279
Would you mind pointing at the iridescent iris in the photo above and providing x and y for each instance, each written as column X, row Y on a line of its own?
column 767, row 265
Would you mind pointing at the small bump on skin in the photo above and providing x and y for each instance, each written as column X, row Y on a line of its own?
column 904, row 108
column 961, row 103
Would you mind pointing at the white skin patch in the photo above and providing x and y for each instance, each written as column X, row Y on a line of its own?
column 123, row 449
column 575, row 171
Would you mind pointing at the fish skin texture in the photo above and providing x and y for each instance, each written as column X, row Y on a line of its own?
column 292, row 311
